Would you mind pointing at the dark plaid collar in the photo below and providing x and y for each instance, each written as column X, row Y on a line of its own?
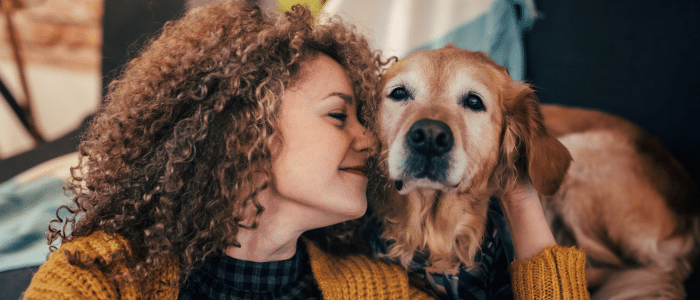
column 224, row 277
column 254, row 276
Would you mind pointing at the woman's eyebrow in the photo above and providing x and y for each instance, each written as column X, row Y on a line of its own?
column 347, row 98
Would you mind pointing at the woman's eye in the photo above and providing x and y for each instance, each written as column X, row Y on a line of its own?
column 473, row 102
column 399, row 94
column 339, row 116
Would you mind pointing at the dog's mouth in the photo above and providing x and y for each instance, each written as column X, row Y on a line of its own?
column 358, row 170
column 424, row 172
column 433, row 168
column 404, row 186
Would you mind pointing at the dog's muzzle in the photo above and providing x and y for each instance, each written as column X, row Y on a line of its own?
column 428, row 142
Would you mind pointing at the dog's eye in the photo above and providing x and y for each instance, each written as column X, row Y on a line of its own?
column 473, row 102
column 399, row 94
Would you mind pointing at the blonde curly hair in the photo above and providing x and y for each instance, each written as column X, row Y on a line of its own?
column 168, row 161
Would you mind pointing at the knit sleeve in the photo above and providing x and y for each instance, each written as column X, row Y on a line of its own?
column 555, row 273
column 415, row 293
column 57, row 279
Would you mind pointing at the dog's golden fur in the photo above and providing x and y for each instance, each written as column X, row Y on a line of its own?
column 628, row 202
column 625, row 200
column 437, row 217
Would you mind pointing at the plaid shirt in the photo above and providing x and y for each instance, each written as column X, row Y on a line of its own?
column 224, row 277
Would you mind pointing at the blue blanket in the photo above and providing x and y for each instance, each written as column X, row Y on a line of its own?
column 25, row 212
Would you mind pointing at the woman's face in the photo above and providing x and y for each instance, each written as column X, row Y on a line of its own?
column 320, row 166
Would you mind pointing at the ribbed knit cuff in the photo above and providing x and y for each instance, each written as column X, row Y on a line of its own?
column 555, row 273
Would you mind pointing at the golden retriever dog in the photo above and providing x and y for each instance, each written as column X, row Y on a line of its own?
column 456, row 130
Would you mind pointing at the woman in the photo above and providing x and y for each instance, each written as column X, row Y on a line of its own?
column 219, row 146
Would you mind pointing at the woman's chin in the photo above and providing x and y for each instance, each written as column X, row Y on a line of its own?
column 349, row 211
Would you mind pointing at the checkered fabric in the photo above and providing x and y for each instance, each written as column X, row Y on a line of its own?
column 224, row 277
column 490, row 280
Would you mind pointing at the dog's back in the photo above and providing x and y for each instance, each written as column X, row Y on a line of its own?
column 627, row 201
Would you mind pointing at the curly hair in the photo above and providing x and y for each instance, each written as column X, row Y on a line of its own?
column 168, row 162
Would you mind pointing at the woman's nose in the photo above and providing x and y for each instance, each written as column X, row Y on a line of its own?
column 364, row 139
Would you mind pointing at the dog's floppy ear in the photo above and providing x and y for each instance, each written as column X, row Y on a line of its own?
column 532, row 149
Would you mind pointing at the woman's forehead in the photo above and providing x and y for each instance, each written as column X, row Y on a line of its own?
column 326, row 74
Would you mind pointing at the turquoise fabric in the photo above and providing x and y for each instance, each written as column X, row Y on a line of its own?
column 498, row 32
column 25, row 212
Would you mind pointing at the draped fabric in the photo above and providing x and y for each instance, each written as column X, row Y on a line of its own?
column 399, row 27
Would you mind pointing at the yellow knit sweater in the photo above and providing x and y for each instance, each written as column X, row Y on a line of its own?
column 352, row 277
column 556, row 273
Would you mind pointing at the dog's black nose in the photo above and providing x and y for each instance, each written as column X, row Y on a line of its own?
column 430, row 137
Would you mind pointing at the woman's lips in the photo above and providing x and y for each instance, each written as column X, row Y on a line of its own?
column 359, row 170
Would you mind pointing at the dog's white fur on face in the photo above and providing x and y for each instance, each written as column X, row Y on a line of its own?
column 455, row 130
column 435, row 96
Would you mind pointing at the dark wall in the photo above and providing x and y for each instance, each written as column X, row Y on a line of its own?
column 127, row 24
column 639, row 59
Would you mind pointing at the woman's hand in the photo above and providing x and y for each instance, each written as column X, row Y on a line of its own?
column 527, row 224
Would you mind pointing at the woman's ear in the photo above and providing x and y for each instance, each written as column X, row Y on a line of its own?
column 539, row 155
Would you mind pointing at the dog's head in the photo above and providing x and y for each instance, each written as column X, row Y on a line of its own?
column 454, row 119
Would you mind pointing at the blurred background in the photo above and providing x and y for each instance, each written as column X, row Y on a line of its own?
column 57, row 44
column 634, row 58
